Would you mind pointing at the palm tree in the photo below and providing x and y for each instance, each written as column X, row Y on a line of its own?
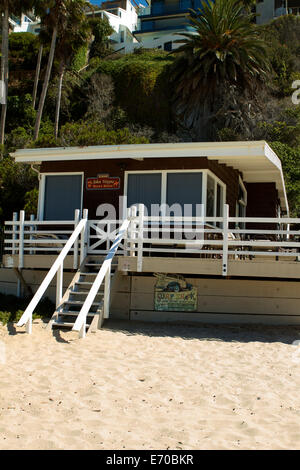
column 53, row 14
column 222, row 52
column 70, row 40
column 37, row 75
column 8, row 7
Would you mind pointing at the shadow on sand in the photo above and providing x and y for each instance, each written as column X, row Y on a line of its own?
column 208, row 332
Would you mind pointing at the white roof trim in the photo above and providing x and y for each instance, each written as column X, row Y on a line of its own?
column 256, row 160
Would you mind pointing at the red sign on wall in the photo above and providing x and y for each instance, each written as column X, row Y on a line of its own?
column 103, row 182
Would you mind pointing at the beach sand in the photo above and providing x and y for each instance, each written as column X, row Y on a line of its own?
column 150, row 386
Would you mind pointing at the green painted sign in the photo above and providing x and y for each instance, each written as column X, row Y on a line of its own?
column 173, row 294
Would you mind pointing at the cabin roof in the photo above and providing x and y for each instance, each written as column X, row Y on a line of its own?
column 255, row 160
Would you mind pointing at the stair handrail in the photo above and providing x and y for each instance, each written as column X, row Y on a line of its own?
column 104, row 272
column 26, row 318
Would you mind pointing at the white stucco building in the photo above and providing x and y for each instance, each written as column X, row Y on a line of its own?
column 123, row 17
column 24, row 24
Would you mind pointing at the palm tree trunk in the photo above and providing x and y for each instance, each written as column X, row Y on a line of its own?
column 4, row 74
column 37, row 76
column 45, row 85
column 58, row 101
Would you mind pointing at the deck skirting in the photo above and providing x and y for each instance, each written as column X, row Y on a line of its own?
column 219, row 300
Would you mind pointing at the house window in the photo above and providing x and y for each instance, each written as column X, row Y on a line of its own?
column 210, row 196
column 241, row 203
column 184, row 189
column 168, row 46
column 187, row 189
column 60, row 196
column 144, row 188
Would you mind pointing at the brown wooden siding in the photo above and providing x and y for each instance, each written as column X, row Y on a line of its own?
column 262, row 199
column 91, row 168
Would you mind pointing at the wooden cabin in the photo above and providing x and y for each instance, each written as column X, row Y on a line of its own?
column 187, row 231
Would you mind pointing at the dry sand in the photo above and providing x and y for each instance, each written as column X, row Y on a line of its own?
column 145, row 386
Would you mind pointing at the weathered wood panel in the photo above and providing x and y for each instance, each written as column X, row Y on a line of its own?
column 265, row 268
column 8, row 281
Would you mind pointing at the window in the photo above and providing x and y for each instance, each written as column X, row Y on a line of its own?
column 144, row 188
column 184, row 189
column 61, row 195
column 189, row 189
column 210, row 197
column 241, row 203
column 168, row 46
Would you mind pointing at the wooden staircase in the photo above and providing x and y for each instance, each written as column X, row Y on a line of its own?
column 66, row 313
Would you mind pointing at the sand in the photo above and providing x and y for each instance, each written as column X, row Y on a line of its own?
column 150, row 386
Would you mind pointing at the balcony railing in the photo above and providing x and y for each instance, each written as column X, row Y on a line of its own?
column 216, row 238
column 163, row 8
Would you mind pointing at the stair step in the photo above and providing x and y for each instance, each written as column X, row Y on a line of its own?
column 63, row 323
column 74, row 313
column 85, row 292
column 66, row 324
column 88, row 274
column 78, row 302
column 98, row 265
column 84, row 284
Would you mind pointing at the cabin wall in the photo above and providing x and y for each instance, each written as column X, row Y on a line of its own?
column 91, row 168
column 262, row 200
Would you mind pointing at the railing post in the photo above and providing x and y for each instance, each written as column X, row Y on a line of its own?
column 21, row 240
column 84, row 237
column 59, row 284
column 128, row 235
column 14, row 234
column 82, row 331
column 29, row 326
column 140, row 238
column 106, row 300
column 225, row 240
column 21, row 250
column 132, row 230
column 76, row 222
column 30, row 230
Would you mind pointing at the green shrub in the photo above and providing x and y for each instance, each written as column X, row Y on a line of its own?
column 14, row 307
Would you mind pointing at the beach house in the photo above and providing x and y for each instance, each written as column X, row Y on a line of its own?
column 173, row 232
column 267, row 10
column 164, row 21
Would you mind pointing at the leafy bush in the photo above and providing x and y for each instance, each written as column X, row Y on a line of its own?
column 12, row 308
column 94, row 133
column 290, row 159
column 23, row 49
column 141, row 87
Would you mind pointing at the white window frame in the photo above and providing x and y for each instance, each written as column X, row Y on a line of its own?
column 164, row 173
column 42, row 187
column 243, row 202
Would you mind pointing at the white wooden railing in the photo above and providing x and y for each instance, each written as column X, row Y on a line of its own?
column 39, row 237
column 57, row 268
column 104, row 274
column 208, row 237
column 213, row 237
